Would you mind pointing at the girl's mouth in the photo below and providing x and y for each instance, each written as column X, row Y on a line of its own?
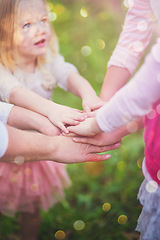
column 41, row 43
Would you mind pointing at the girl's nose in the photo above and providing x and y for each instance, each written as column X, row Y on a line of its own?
column 40, row 29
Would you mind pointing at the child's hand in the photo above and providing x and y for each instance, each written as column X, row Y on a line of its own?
column 89, row 127
column 61, row 116
column 91, row 103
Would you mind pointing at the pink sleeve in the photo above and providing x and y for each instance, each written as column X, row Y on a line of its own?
column 135, row 36
column 136, row 98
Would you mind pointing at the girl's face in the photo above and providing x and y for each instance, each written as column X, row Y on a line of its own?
column 32, row 32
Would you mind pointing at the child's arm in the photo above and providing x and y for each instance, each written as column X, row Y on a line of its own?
column 107, row 138
column 131, row 102
column 116, row 77
column 80, row 87
column 134, row 38
column 25, row 119
column 59, row 115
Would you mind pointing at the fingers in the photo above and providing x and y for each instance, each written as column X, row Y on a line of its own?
column 101, row 149
column 62, row 127
column 96, row 157
column 91, row 114
column 84, row 140
column 69, row 134
column 98, row 105
column 75, row 117
column 86, row 108
column 73, row 129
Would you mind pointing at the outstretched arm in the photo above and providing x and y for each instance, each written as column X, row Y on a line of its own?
column 25, row 119
column 133, row 40
column 33, row 146
column 80, row 87
column 59, row 115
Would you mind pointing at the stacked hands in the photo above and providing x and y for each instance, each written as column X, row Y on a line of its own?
column 82, row 125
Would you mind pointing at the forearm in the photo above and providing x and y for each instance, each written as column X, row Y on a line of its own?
column 25, row 98
column 134, row 100
column 23, row 119
column 79, row 86
column 28, row 145
column 116, row 77
column 28, row 120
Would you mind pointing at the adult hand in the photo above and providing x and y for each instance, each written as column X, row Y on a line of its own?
column 71, row 152
column 102, row 139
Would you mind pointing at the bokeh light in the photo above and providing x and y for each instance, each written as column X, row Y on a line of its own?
column 100, row 44
column 106, row 207
column 122, row 219
column 151, row 114
column 34, row 187
column 138, row 46
column 79, row 225
column 52, row 16
column 86, row 51
column 139, row 163
column 59, row 9
column 121, row 165
column 19, row 160
column 28, row 172
column 94, row 168
column 151, row 186
column 99, row 77
column 142, row 26
column 128, row 3
column 84, row 12
column 158, row 174
column 59, row 235
column 158, row 108
column 50, row 6
column 132, row 126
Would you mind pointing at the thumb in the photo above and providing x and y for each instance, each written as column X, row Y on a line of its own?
column 86, row 108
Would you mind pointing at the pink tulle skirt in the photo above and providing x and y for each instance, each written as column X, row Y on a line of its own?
column 33, row 184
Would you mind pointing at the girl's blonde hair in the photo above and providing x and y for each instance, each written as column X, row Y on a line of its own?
column 8, row 17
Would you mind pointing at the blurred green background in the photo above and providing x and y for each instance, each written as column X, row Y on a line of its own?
column 102, row 202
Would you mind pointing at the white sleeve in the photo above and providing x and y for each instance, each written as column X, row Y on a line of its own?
column 136, row 98
column 5, row 109
column 7, row 82
column 61, row 70
column 3, row 139
column 134, row 38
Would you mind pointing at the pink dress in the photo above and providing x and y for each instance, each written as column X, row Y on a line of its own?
column 25, row 186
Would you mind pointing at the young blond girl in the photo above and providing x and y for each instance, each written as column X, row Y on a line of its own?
column 30, row 67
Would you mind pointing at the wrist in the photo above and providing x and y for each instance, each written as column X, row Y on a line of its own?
column 95, row 127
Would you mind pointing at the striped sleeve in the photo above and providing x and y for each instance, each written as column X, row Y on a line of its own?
column 135, row 36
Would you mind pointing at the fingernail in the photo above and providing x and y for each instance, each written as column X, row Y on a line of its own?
column 117, row 145
column 75, row 139
column 108, row 156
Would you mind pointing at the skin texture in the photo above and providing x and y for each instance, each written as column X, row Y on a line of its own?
column 35, row 146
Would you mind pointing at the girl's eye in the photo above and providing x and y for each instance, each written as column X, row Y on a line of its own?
column 44, row 20
column 27, row 25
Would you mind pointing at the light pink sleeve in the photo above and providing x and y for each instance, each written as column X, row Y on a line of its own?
column 135, row 36
column 136, row 98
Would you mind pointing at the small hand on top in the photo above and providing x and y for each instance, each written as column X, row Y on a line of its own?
column 61, row 116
